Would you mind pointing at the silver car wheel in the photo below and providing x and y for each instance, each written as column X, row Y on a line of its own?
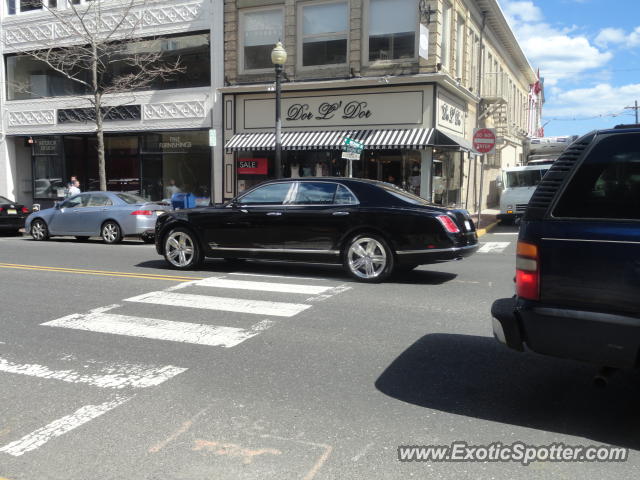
column 38, row 230
column 179, row 248
column 367, row 258
column 110, row 232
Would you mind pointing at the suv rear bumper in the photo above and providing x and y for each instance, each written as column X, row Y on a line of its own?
column 599, row 338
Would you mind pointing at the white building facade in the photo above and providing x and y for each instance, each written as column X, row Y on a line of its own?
column 157, row 141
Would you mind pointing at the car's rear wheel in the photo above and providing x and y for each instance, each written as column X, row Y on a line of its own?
column 182, row 250
column 368, row 258
column 39, row 230
column 111, row 232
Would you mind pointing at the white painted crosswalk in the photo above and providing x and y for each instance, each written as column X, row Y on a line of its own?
column 493, row 247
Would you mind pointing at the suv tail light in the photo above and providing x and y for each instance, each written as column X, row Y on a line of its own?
column 142, row 212
column 528, row 271
column 448, row 224
column 25, row 210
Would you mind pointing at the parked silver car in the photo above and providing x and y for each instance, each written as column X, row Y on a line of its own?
column 111, row 215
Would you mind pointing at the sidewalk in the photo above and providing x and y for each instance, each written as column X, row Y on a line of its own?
column 488, row 218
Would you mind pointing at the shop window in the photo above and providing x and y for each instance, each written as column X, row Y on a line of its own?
column 260, row 30
column 392, row 29
column 324, row 33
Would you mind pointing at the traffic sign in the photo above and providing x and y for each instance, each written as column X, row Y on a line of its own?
column 351, row 145
column 350, row 155
column 484, row 140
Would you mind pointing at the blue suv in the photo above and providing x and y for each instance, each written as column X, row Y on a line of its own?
column 578, row 257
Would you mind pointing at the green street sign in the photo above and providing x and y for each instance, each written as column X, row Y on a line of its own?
column 352, row 145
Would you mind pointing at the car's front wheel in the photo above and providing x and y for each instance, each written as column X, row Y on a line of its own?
column 182, row 250
column 368, row 258
column 111, row 232
column 39, row 230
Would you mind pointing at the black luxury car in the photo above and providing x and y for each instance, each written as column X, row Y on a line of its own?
column 370, row 227
column 12, row 215
column 578, row 257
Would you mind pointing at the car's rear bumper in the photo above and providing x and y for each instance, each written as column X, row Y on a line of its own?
column 425, row 256
column 600, row 338
column 509, row 216
column 11, row 223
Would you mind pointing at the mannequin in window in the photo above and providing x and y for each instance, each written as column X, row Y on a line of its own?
column 295, row 170
column 319, row 169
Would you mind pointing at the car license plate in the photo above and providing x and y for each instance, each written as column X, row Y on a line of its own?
column 12, row 211
column 159, row 212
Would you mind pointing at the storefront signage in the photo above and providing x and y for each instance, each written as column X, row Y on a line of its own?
column 253, row 166
column 46, row 146
column 348, row 110
column 451, row 114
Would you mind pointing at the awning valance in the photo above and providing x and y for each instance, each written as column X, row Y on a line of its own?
column 413, row 138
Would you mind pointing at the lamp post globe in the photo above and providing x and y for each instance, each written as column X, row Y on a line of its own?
column 279, row 58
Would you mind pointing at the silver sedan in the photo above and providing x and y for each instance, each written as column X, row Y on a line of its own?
column 110, row 215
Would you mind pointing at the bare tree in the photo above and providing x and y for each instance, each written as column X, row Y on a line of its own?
column 104, row 56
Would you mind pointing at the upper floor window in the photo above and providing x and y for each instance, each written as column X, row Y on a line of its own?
column 324, row 33
column 460, row 48
column 445, row 39
column 260, row 30
column 392, row 29
column 22, row 6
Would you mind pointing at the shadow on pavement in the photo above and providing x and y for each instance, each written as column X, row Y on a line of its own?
column 477, row 377
column 295, row 269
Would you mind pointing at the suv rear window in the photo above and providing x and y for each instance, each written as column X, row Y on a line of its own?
column 607, row 184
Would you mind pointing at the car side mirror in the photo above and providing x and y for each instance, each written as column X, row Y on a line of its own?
column 499, row 183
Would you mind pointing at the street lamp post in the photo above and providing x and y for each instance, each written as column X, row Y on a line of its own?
column 278, row 57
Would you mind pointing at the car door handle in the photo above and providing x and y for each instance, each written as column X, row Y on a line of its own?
column 340, row 214
column 274, row 214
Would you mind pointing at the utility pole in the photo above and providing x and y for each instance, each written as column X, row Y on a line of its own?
column 634, row 108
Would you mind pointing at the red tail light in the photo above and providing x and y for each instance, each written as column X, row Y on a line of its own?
column 448, row 224
column 528, row 271
column 25, row 210
column 142, row 212
column 1, row 209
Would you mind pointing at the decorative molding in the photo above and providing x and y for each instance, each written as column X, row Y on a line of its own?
column 86, row 115
column 32, row 118
column 174, row 110
column 150, row 18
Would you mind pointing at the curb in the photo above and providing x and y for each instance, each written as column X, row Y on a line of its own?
column 487, row 229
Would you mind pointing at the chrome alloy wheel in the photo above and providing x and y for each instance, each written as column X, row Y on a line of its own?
column 179, row 249
column 110, row 232
column 38, row 230
column 367, row 258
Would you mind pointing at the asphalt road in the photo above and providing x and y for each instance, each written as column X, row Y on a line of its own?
column 113, row 366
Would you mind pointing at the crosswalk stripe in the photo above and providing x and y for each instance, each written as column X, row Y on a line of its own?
column 493, row 247
column 262, row 286
column 112, row 376
column 183, row 332
column 61, row 426
column 239, row 305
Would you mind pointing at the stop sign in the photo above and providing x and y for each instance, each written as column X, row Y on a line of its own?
column 484, row 140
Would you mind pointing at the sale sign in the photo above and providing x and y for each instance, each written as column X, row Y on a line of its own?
column 253, row 166
column 484, row 140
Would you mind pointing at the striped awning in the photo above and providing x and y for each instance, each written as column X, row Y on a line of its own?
column 415, row 138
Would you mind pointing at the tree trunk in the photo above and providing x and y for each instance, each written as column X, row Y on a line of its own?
column 97, row 98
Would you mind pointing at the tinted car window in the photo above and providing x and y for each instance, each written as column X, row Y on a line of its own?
column 73, row 202
column 99, row 201
column 131, row 199
column 315, row 193
column 404, row 195
column 5, row 200
column 345, row 197
column 607, row 184
column 272, row 194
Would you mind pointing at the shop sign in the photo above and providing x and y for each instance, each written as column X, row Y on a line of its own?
column 451, row 114
column 345, row 110
column 46, row 146
column 253, row 166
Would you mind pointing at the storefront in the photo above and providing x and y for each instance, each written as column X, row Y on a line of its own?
column 154, row 165
column 413, row 136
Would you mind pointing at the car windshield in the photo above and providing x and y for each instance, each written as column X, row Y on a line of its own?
column 5, row 200
column 131, row 199
column 525, row 178
column 404, row 195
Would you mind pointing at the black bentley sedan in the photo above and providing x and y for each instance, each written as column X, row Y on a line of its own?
column 369, row 227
